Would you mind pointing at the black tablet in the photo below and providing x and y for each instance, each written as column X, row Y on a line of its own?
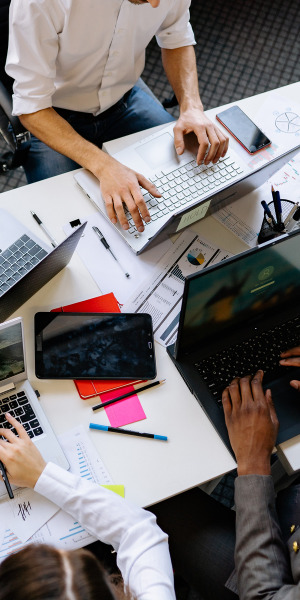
column 94, row 346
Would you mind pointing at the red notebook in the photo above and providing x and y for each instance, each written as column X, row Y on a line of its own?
column 90, row 388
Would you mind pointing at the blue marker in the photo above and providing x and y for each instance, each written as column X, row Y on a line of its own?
column 128, row 432
column 278, row 209
column 268, row 213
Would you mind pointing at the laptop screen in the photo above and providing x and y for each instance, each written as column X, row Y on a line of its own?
column 11, row 351
column 240, row 291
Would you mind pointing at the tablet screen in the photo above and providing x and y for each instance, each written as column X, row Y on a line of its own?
column 94, row 346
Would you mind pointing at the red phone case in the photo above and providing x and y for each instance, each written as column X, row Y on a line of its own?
column 239, row 141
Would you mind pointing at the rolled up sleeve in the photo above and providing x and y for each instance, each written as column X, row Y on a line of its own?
column 32, row 52
column 176, row 30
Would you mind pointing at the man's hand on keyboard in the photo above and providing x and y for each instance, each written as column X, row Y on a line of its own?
column 213, row 144
column 23, row 462
column 251, row 422
column 291, row 358
column 121, row 186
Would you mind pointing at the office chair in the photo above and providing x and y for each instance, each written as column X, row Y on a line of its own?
column 16, row 137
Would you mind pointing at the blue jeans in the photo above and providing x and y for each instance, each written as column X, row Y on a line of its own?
column 136, row 111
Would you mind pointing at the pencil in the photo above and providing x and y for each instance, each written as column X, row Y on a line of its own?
column 6, row 481
column 127, row 395
column 153, row 436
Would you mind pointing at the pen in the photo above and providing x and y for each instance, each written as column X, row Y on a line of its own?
column 291, row 214
column 127, row 395
column 107, row 247
column 153, row 436
column 268, row 213
column 278, row 209
column 42, row 226
column 5, row 479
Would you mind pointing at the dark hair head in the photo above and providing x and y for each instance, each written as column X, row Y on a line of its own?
column 40, row 572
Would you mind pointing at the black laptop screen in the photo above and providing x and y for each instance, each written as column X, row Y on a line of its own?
column 240, row 290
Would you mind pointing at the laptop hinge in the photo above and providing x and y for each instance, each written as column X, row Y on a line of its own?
column 7, row 388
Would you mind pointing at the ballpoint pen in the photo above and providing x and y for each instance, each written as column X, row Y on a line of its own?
column 278, row 209
column 106, row 245
column 42, row 226
column 291, row 214
column 153, row 436
column 6, row 481
column 127, row 395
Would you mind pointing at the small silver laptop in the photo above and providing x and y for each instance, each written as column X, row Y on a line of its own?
column 27, row 263
column 189, row 192
column 19, row 399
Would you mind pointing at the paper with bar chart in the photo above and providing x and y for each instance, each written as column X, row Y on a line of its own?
column 161, row 295
column 61, row 530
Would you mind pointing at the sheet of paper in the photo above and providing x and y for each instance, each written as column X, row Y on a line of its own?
column 279, row 119
column 107, row 272
column 83, row 457
column 244, row 217
column 125, row 411
column 61, row 530
column 161, row 295
column 26, row 512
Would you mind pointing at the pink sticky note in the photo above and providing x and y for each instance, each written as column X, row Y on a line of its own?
column 125, row 411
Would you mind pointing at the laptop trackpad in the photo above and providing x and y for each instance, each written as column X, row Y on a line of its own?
column 287, row 405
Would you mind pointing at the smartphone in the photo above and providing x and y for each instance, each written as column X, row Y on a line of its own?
column 94, row 346
column 243, row 129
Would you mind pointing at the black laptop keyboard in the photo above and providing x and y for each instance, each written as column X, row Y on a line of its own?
column 17, row 260
column 19, row 407
column 262, row 351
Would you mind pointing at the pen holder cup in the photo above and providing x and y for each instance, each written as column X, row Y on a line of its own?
column 267, row 232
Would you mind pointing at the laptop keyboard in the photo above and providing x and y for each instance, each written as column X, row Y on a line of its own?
column 19, row 407
column 17, row 260
column 261, row 351
column 185, row 184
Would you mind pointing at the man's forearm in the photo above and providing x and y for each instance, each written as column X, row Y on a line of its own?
column 181, row 70
column 56, row 132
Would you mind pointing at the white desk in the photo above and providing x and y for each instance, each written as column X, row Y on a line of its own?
column 150, row 471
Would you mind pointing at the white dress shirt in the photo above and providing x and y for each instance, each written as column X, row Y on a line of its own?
column 85, row 55
column 142, row 547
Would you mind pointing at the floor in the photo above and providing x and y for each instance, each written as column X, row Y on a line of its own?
column 243, row 48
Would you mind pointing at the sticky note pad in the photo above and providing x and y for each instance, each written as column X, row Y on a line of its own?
column 118, row 489
column 125, row 411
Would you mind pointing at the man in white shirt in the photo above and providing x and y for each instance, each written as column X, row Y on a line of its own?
column 75, row 66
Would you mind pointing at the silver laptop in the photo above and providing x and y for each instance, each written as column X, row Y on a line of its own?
column 18, row 397
column 27, row 263
column 189, row 192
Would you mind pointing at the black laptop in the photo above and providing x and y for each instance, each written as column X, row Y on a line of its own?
column 237, row 317
column 27, row 263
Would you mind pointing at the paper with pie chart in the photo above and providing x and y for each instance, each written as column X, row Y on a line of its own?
column 161, row 295
column 279, row 118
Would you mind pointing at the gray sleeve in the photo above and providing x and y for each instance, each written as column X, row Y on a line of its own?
column 261, row 557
